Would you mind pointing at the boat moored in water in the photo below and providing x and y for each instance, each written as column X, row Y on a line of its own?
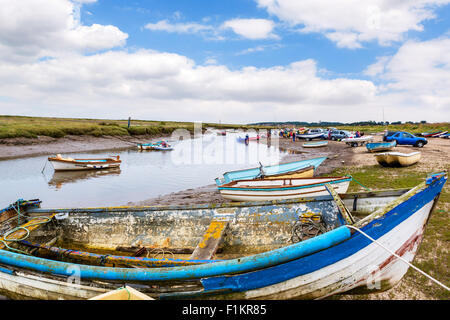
column 253, row 250
column 69, row 164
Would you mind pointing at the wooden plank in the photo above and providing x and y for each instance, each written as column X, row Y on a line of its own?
column 209, row 244
column 340, row 204
column 30, row 226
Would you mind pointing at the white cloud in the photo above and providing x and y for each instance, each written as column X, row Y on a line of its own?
column 350, row 23
column 32, row 29
column 165, row 25
column 252, row 28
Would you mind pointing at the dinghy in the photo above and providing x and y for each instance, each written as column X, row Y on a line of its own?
column 355, row 141
column 291, row 169
column 397, row 159
column 310, row 136
column 160, row 145
column 315, row 144
column 68, row 164
column 277, row 189
column 381, row 146
column 289, row 249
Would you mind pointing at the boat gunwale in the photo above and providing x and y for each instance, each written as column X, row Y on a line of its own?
column 229, row 186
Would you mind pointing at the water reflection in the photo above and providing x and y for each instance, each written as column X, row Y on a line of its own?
column 60, row 178
column 142, row 175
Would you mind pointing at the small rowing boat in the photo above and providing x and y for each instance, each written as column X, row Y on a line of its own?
column 288, row 249
column 315, row 144
column 397, row 159
column 355, row 141
column 160, row 145
column 277, row 189
column 293, row 169
column 309, row 136
column 381, row 146
column 68, row 164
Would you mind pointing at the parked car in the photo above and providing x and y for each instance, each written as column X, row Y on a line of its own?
column 406, row 138
column 340, row 134
column 388, row 134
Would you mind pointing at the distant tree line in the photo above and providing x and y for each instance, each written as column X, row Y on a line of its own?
column 332, row 124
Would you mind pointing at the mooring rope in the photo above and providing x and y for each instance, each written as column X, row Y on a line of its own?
column 396, row 255
column 19, row 215
column 368, row 189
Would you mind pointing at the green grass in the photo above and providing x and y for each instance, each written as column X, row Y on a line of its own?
column 433, row 255
column 412, row 128
column 31, row 127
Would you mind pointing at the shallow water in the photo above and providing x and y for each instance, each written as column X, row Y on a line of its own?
column 142, row 175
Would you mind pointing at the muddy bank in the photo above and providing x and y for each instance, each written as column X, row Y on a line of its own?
column 23, row 147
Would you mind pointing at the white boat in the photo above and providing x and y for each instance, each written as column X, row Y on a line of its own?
column 277, row 189
column 317, row 144
column 69, row 164
column 355, row 141
column 397, row 159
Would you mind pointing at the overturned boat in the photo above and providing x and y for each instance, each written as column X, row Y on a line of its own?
column 69, row 164
column 296, row 169
column 397, row 159
column 302, row 248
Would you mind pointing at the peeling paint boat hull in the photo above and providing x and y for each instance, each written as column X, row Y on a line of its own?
column 337, row 261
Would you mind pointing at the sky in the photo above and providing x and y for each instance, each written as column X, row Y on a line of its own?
column 228, row 61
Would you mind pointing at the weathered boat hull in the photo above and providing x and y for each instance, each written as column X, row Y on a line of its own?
column 245, row 190
column 339, row 261
column 397, row 159
column 355, row 141
column 380, row 146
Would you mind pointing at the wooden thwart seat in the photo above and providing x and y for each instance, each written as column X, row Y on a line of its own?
column 209, row 244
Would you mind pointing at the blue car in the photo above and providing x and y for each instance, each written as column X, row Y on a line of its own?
column 406, row 138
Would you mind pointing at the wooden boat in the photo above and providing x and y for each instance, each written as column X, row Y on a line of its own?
column 431, row 134
column 309, row 136
column 67, row 164
column 315, row 144
column 160, row 145
column 397, row 159
column 355, row 141
column 381, row 146
column 266, row 252
column 293, row 169
column 277, row 189
column 125, row 293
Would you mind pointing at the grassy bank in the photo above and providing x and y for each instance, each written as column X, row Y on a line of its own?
column 31, row 127
column 433, row 255
column 408, row 127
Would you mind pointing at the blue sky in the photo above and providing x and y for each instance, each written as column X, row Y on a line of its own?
column 229, row 61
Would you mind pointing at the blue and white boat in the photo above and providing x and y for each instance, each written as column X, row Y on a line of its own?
column 282, row 188
column 381, row 146
column 290, row 168
column 274, row 254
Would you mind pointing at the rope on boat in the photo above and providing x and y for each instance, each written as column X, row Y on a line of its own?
column 397, row 256
column 368, row 189
column 19, row 214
